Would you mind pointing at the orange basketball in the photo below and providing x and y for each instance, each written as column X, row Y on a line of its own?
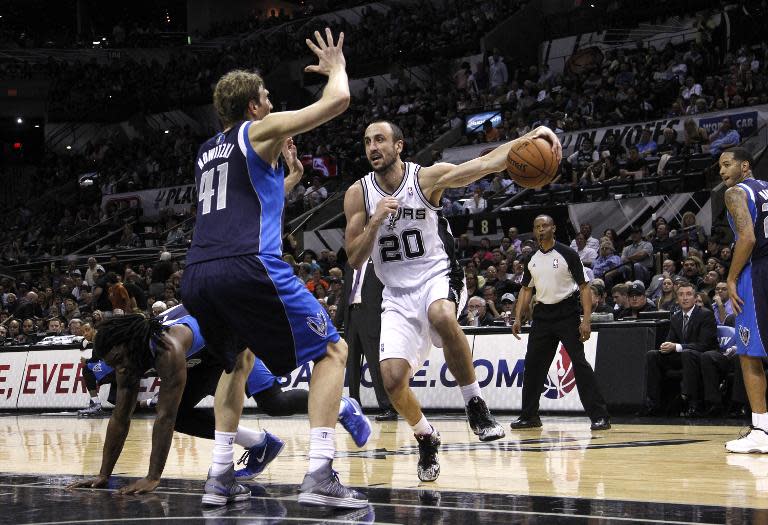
column 532, row 163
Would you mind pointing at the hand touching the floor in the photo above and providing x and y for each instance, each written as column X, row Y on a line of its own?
column 90, row 483
column 141, row 486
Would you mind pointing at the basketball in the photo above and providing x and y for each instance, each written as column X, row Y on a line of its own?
column 532, row 163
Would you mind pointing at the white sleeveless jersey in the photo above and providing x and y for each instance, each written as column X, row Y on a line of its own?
column 415, row 244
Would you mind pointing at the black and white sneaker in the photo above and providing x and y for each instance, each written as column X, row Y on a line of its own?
column 428, row 468
column 482, row 423
column 322, row 488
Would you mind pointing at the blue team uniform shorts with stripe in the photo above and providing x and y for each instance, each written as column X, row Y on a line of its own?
column 752, row 322
column 256, row 302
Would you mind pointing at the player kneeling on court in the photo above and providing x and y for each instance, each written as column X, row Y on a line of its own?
column 173, row 346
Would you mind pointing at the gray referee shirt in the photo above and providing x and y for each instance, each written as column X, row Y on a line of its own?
column 556, row 274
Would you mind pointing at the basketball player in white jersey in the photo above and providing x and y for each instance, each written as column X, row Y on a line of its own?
column 393, row 216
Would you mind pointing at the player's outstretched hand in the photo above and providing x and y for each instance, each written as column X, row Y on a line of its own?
column 329, row 55
column 543, row 132
column 140, row 486
column 90, row 483
column 291, row 157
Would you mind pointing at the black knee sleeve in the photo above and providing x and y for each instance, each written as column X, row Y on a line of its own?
column 276, row 402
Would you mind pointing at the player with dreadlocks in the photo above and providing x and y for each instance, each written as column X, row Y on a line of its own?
column 172, row 347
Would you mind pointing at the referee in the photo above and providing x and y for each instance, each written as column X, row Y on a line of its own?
column 557, row 274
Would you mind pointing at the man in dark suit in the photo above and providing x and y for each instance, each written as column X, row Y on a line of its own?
column 693, row 331
column 359, row 314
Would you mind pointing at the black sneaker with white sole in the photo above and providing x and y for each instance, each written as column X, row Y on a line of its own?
column 428, row 468
column 482, row 423
column 322, row 488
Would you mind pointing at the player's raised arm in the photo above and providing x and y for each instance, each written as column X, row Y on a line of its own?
column 361, row 236
column 736, row 202
column 443, row 175
column 333, row 102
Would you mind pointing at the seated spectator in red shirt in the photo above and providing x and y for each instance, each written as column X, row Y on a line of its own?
column 315, row 280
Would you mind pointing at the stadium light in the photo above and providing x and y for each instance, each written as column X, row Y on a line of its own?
column 69, row 147
column 19, row 120
column 166, row 131
column 37, row 125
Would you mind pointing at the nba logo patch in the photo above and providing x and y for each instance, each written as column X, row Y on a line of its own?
column 555, row 263
column 381, row 348
column 410, row 190
column 744, row 335
column 318, row 324
column 219, row 138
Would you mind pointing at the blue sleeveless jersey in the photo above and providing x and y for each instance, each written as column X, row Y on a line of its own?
column 240, row 200
column 757, row 202
column 752, row 284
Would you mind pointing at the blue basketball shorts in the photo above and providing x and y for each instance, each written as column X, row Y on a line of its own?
column 752, row 322
column 256, row 302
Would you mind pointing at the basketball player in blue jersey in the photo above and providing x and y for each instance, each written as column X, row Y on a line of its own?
column 393, row 216
column 747, row 201
column 131, row 343
column 240, row 290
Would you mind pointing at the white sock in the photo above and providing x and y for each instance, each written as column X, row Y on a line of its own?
column 760, row 421
column 223, row 449
column 322, row 447
column 95, row 400
column 422, row 428
column 470, row 391
column 248, row 438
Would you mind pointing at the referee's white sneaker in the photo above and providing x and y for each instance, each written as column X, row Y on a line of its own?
column 755, row 441
column 482, row 423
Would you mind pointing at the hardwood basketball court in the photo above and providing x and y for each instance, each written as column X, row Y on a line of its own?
column 635, row 472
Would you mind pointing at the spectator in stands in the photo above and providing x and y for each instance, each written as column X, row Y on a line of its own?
column 667, row 300
column 577, row 162
column 668, row 269
column 161, row 272
column 637, row 302
column 498, row 75
column 515, row 243
column 616, row 150
column 725, row 137
column 90, row 273
column 620, row 297
column 128, row 239
column 28, row 334
column 14, row 330
column 3, row 335
column 176, row 235
column 489, row 295
column 136, row 294
column 640, row 254
column 722, row 303
column 75, row 327
column 55, row 327
column 71, row 311
column 691, row 272
column 586, row 254
column 636, row 167
column 477, row 313
column 586, row 229
column 695, row 232
column 606, row 261
column 29, row 307
column 662, row 244
column 476, row 203
column 316, row 280
column 695, row 138
column 315, row 194
column 692, row 332
column 158, row 307
column 599, row 305
column 646, row 146
column 490, row 134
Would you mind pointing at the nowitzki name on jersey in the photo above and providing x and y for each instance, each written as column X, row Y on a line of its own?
column 222, row 151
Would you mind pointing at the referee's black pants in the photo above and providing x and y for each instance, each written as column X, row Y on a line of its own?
column 362, row 337
column 547, row 331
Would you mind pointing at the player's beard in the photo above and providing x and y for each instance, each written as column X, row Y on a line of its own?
column 385, row 167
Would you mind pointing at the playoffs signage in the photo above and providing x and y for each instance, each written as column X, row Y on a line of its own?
column 176, row 198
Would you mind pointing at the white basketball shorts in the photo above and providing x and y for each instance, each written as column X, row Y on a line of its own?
column 405, row 329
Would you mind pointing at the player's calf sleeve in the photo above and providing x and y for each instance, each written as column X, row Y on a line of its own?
column 283, row 403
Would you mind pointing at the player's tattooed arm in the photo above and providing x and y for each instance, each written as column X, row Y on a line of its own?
column 736, row 202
